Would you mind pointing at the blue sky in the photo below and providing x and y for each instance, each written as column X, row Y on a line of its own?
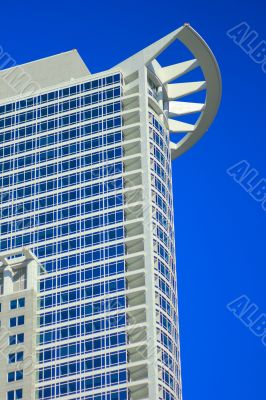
column 220, row 228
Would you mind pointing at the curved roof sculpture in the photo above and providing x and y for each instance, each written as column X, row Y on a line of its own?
column 174, row 91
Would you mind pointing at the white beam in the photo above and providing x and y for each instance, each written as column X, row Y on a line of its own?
column 177, row 90
column 177, row 108
column 178, row 126
column 172, row 72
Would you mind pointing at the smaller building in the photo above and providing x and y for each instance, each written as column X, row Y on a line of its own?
column 18, row 306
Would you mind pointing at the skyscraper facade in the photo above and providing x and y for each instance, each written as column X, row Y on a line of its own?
column 87, row 264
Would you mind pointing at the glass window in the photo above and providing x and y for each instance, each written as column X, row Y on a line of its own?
column 15, row 376
column 15, row 357
column 17, row 303
column 15, row 394
column 16, row 321
column 12, row 358
column 20, row 338
column 15, row 339
column 11, row 376
column 13, row 322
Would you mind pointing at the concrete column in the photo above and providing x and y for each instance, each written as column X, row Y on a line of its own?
column 148, row 243
column 160, row 96
column 8, row 280
column 32, row 271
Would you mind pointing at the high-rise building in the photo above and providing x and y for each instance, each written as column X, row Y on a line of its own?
column 87, row 264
